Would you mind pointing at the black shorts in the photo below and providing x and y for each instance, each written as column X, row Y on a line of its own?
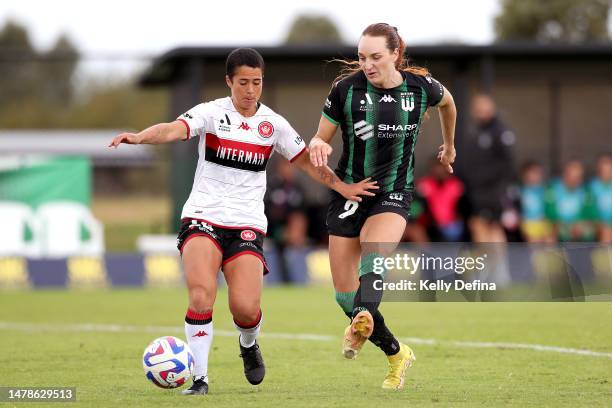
column 231, row 242
column 345, row 217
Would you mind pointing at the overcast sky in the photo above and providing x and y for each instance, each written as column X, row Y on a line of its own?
column 138, row 28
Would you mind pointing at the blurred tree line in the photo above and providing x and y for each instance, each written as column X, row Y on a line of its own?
column 554, row 21
column 38, row 89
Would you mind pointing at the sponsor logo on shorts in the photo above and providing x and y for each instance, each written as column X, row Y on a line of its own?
column 391, row 203
column 265, row 129
column 204, row 227
column 248, row 235
column 249, row 244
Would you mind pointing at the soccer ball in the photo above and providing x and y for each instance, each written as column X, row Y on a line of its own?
column 167, row 362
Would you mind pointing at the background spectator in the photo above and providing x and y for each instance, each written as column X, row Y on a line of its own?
column 442, row 193
column 601, row 191
column 534, row 225
column 486, row 166
column 569, row 206
column 285, row 203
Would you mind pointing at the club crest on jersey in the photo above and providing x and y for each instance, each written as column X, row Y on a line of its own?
column 407, row 99
column 248, row 235
column 265, row 129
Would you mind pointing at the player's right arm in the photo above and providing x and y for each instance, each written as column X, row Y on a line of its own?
column 156, row 134
column 319, row 146
column 330, row 119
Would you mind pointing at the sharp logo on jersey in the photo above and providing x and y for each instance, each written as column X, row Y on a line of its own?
column 244, row 126
column 248, row 235
column 393, row 128
column 396, row 196
column 407, row 99
column 364, row 130
column 265, row 129
column 387, row 98
column 239, row 155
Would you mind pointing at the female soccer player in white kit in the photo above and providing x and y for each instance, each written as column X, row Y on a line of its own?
column 223, row 221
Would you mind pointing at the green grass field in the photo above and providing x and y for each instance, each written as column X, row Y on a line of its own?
column 93, row 340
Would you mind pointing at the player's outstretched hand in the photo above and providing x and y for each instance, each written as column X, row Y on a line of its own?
column 319, row 150
column 446, row 155
column 355, row 190
column 127, row 138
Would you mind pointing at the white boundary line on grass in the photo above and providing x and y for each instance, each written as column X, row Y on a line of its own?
column 117, row 328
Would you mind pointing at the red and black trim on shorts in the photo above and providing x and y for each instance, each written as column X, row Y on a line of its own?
column 232, row 242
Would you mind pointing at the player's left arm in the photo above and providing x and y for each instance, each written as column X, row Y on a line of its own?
column 327, row 177
column 448, row 117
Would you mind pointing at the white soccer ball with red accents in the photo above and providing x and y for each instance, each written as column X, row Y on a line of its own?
column 168, row 362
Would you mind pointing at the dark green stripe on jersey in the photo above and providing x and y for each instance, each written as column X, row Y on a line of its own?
column 349, row 139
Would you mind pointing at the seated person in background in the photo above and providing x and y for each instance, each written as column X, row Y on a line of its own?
column 534, row 225
column 442, row 192
column 569, row 206
column 601, row 191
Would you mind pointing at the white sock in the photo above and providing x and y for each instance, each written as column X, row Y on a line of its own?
column 199, row 338
column 248, row 335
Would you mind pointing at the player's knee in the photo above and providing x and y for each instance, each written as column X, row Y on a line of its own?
column 246, row 315
column 244, row 309
column 200, row 299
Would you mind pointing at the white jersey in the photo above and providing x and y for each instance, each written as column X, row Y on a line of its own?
column 230, row 180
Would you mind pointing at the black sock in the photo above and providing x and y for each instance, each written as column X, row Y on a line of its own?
column 382, row 336
column 367, row 297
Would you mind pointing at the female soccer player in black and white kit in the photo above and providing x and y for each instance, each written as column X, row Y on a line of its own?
column 223, row 221
column 379, row 103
